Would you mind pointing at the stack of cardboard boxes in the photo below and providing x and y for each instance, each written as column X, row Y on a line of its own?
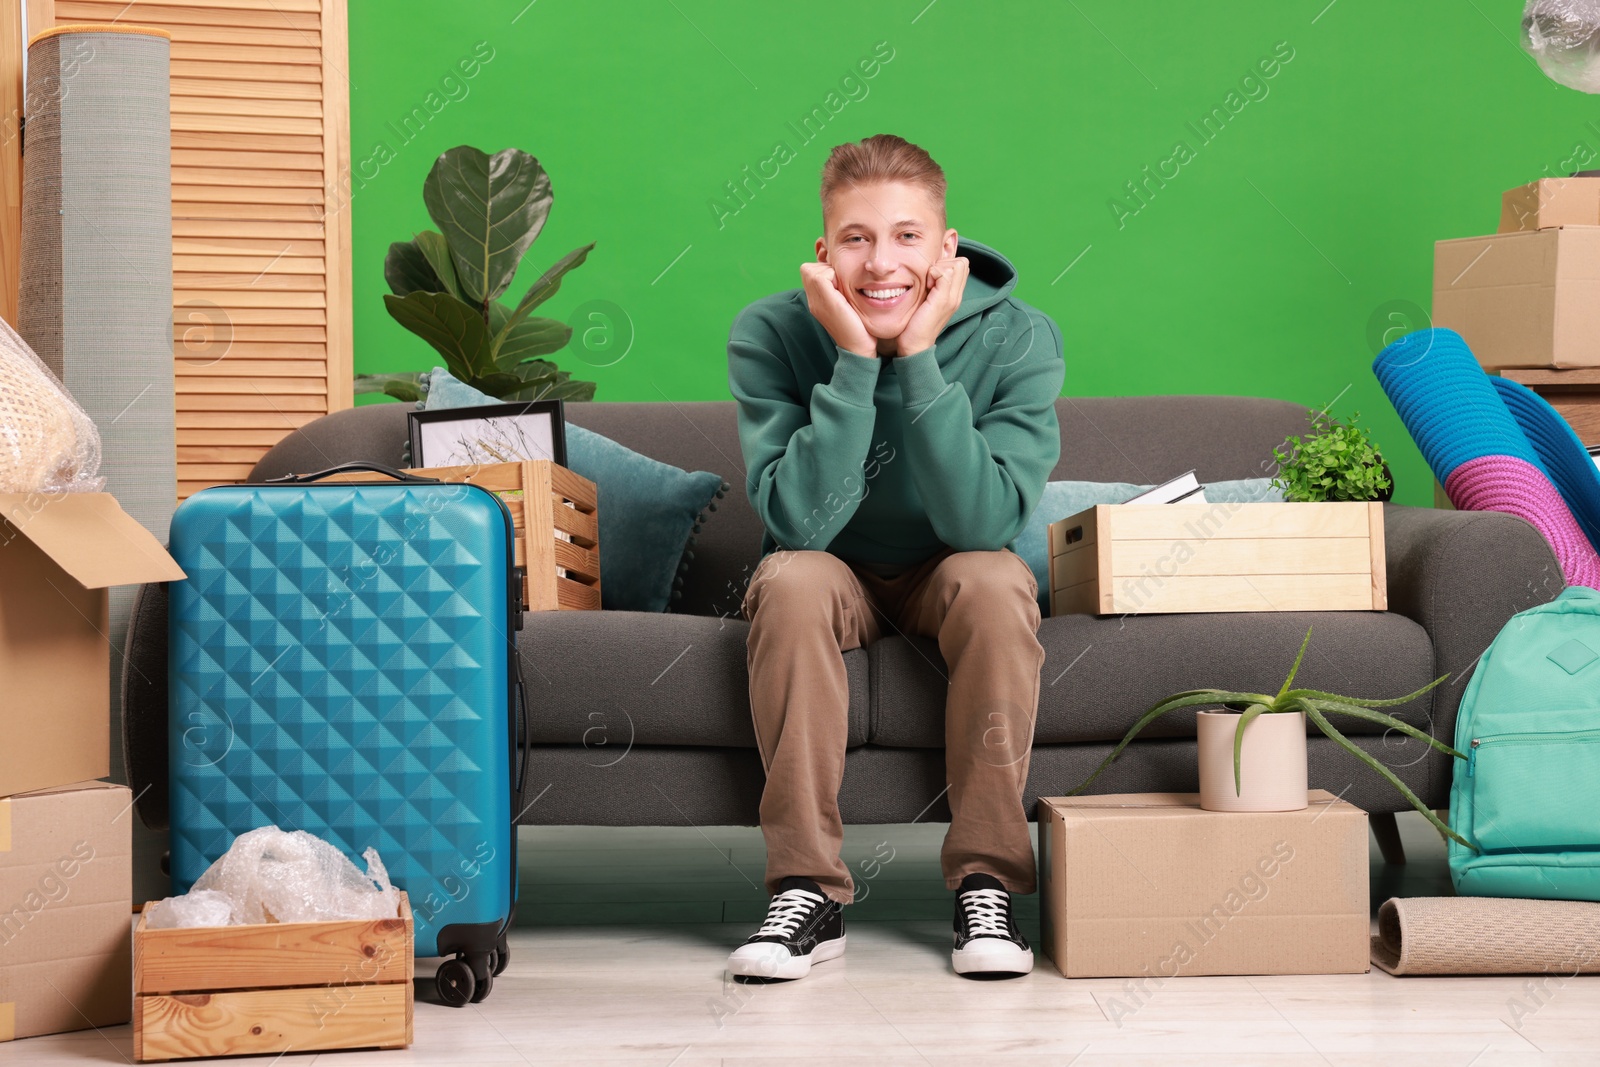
column 1527, row 300
column 65, row 838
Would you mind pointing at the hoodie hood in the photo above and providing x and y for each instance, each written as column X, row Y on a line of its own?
column 990, row 278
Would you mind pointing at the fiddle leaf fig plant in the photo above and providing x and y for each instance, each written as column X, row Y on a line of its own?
column 1317, row 706
column 1335, row 461
column 445, row 285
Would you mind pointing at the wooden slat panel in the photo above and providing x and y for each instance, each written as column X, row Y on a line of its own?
column 254, row 369
column 247, row 264
column 218, row 472
column 233, row 246
column 259, row 228
column 269, row 1021
column 246, row 124
column 222, row 211
column 1262, row 592
column 201, row 194
column 248, row 351
column 241, row 89
column 173, row 16
column 233, row 177
column 235, row 333
column 247, row 142
column 1242, row 555
column 246, row 161
column 260, row 439
column 281, row 421
column 194, row 68
column 264, row 324
column 256, row 298
column 207, row 52
column 252, row 401
column 131, row 11
column 203, row 454
column 190, row 385
column 226, row 280
column 1172, row 521
column 237, row 105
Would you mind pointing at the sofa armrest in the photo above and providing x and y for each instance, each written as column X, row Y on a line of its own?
column 1461, row 575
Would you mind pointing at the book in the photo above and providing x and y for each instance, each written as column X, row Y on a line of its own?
column 1184, row 485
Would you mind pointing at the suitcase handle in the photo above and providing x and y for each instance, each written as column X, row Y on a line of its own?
column 344, row 468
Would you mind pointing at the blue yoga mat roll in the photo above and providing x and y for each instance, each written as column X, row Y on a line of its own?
column 1447, row 403
column 1563, row 456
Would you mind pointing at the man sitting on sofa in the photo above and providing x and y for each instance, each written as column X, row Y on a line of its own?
column 897, row 418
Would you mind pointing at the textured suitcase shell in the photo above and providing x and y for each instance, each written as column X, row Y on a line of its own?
column 341, row 661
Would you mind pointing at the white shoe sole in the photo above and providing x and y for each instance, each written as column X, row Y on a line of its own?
column 992, row 955
column 770, row 960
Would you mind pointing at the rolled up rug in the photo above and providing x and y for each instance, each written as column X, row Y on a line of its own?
column 1487, row 935
column 1560, row 452
column 1516, row 487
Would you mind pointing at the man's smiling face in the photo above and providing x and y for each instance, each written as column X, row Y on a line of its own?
column 881, row 240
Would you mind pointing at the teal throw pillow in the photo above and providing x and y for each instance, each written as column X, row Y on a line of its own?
column 649, row 510
column 1061, row 499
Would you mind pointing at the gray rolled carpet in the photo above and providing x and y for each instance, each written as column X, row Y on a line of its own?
column 1487, row 935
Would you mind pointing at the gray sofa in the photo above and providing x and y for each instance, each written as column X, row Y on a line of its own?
column 643, row 719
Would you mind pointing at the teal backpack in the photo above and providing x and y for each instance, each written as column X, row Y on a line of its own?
column 1528, row 794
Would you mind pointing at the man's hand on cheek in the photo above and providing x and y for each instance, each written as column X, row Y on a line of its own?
column 947, row 281
column 830, row 308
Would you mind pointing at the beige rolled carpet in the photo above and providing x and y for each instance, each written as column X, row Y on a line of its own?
column 1487, row 935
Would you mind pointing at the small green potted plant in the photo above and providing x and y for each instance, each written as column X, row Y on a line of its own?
column 446, row 286
column 1295, row 707
column 1335, row 461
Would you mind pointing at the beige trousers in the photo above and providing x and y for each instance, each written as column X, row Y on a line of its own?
column 805, row 609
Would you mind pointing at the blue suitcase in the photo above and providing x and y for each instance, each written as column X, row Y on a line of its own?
column 342, row 659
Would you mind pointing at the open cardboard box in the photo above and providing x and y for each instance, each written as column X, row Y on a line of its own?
column 59, row 553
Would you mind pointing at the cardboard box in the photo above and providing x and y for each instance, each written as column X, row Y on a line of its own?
column 66, row 909
column 268, row 988
column 1522, row 299
column 58, row 555
column 1148, row 885
column 1156, row 558
column 1550, row 202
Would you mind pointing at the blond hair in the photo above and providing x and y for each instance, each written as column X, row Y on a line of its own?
column 883, row 157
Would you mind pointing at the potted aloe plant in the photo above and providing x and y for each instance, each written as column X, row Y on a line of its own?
column 1285, row 715
column 446, row 286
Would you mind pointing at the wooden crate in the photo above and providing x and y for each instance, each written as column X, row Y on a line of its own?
column 1160, row 558
column 543, row 497
column 270, row 988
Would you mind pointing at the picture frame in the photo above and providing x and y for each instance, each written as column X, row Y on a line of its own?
column 489, row 433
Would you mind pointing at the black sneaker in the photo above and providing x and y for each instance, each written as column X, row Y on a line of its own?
column 803, row 927
column 987, row 938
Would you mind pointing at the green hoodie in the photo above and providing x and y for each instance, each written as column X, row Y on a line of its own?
column 886, row 461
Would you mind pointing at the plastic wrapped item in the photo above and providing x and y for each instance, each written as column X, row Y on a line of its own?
column 47, row 442
column 272, row 875
column 1564, row 37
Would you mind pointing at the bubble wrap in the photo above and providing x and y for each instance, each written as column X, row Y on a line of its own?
column 47, row 442
column 1564, row 37
column 271, row 875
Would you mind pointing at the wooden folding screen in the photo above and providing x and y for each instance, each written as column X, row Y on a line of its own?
column 260, row 223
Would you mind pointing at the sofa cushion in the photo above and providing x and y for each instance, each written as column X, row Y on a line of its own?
column 1100, row 674
column 611, row 679
column 649, row 510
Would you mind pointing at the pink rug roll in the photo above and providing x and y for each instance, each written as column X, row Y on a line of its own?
column 1517, row 487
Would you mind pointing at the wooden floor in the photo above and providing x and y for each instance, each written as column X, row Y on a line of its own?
column 618, row 958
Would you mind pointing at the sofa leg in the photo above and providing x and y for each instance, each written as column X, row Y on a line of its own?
column 1387, row 831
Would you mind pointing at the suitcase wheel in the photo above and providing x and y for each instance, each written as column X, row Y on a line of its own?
column 456, row 984
column 500, row 957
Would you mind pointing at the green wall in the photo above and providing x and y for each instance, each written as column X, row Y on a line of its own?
column 1256, row 268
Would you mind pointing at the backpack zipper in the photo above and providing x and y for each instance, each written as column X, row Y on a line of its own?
column 1472, row 757
column 1553, row 737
